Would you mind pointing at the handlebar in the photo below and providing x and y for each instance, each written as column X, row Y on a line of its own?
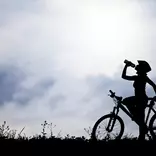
column 112, row 93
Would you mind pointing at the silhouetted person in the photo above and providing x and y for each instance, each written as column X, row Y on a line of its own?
column 137, row 104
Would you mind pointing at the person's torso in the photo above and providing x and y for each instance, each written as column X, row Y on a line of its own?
column 140, row 86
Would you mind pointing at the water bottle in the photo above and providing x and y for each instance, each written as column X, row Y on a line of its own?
column 131, row 64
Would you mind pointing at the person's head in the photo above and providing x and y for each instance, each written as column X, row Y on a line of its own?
column 142, row 68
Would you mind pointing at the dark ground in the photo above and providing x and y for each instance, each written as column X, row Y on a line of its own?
column 75, row 146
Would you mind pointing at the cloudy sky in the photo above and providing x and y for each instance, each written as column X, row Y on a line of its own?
column 59, row 58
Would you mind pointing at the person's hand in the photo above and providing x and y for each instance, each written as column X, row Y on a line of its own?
column 128, row 64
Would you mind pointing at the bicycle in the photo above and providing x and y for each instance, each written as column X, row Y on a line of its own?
column 114, row 125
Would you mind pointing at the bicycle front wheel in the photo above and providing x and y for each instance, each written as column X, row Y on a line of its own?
column 152, row 126
column 109, row 126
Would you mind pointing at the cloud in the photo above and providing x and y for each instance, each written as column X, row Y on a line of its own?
column 66, row 58
column 69, row 36
column 13, row 90
column 10, row 80
column 37, row 91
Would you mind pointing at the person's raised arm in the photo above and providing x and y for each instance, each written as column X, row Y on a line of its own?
column 124, row 76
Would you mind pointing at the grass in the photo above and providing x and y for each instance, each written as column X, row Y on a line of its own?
column 15, row 143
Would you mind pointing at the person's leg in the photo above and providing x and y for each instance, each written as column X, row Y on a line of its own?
column 140, row 110
column 142, row 127
column 129, row 102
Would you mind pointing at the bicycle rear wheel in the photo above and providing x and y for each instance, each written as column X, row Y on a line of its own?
column 152, row 126
column 108, row 126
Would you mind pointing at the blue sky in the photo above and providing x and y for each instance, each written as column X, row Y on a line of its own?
column 60, row 58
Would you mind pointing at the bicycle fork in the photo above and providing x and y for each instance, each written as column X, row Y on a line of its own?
column 112, row 120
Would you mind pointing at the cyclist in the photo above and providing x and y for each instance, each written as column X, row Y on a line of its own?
column 137, row 104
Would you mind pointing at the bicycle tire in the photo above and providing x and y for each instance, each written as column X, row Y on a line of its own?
column 152, row 128
column 116, row 135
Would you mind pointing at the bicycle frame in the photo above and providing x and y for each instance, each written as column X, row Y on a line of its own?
column 113, row 116
column 119, row 105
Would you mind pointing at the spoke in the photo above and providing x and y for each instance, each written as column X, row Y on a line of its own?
column 102, row 133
